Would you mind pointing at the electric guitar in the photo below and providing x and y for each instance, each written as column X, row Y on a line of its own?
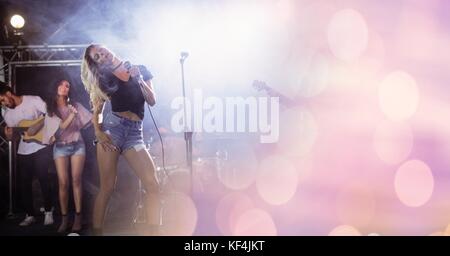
column 262, row 86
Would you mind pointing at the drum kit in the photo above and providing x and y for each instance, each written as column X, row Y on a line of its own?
column 174, row 177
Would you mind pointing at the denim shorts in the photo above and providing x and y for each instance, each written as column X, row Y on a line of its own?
column 124, row 133
column 69, row 149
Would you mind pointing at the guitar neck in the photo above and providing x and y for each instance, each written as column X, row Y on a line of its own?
column 19, row 129
column 259, row 85
column 283, row 99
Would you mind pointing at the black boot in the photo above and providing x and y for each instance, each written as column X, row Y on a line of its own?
column 64, row 223
column 77, row 223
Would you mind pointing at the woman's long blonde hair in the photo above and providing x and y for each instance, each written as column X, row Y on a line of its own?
column 90, row 74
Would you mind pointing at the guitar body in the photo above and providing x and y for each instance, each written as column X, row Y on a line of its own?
column 25, row 124
column 28, row 123
column 38, row 137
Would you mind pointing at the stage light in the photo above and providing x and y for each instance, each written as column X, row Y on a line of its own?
column 17, row 21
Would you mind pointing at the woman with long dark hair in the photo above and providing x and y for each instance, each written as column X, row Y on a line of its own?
column 69, row 148
column 107, row 78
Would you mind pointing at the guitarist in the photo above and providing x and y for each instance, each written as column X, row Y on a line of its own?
column 32, row 158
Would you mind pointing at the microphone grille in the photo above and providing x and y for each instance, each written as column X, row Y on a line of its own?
column 127, row 64
column 184, row 54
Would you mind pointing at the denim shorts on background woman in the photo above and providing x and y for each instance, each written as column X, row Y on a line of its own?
column 69, row 149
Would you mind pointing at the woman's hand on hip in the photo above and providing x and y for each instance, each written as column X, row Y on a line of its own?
column 105, row 141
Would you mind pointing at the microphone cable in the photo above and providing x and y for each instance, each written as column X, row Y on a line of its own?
column 162, row 146
column 128, row 66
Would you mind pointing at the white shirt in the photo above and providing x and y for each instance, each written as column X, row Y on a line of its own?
column 32, row 107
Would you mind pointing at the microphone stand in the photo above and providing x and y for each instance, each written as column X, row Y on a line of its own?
column 187, row 132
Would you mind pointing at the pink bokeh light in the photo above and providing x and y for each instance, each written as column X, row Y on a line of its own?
column 414, row 183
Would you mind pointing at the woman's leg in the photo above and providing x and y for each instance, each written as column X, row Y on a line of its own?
column 107, row 166
column 61, row 164
column 77, row 163
column 63, row 182
column 144, row 167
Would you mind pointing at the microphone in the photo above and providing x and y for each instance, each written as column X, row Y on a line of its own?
column 184, row 55
column 128, row 66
